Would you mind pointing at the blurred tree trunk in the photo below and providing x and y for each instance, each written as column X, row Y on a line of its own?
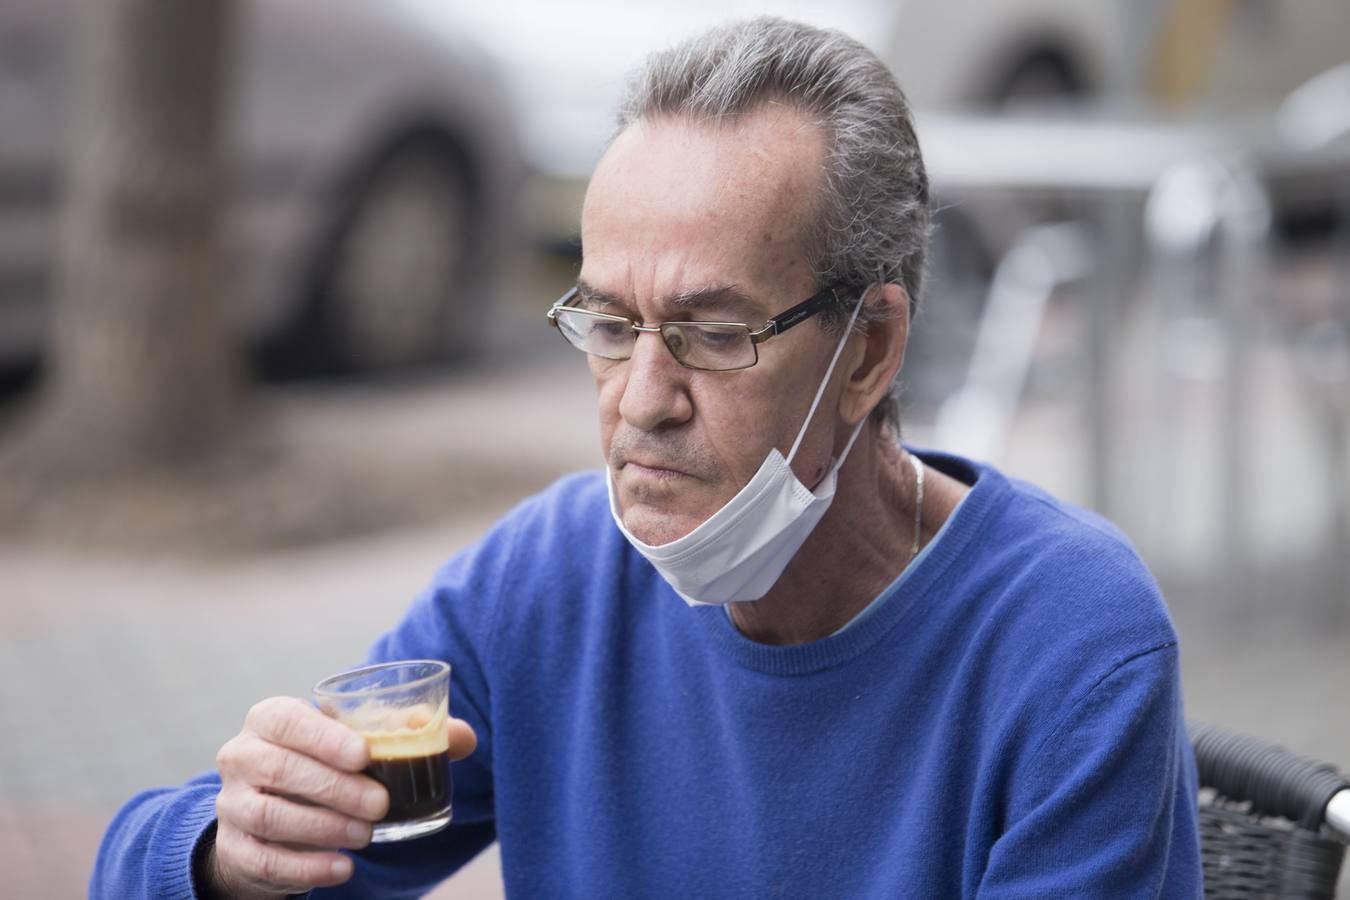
column 141, row 367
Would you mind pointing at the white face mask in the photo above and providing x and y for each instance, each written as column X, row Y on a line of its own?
column 740, row 551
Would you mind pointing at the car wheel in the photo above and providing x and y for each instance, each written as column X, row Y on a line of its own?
column 398, row 266
column 1039, row 79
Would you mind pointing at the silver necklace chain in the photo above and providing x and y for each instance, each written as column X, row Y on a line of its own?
column 918, row 503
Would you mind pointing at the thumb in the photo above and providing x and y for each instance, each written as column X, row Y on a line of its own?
column 463, row 740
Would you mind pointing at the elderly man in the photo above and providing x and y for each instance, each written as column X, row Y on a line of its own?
column 771, row 651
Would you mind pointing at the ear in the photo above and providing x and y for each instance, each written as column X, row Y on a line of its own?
column 874, row 366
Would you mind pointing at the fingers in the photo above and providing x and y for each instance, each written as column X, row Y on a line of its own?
column 241, row 860
column 292, row 792
column 271, row 818
column 253, row 762
column 292, row 723
column 287, row 800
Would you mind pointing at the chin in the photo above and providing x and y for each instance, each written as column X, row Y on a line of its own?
column 655, row 526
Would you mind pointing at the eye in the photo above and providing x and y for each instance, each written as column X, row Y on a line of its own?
column 677, row 341
column 609, row 330
column 719, row 339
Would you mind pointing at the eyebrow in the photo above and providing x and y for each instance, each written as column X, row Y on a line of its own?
column 597, row 297
column 721, row 296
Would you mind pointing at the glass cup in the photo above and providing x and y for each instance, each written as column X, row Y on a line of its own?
column 401, row 709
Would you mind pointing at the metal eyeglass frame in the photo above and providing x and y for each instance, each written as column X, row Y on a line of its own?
column 775, row 326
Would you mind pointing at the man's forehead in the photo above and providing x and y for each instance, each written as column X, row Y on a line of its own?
column 774, row 151
column 689, row 215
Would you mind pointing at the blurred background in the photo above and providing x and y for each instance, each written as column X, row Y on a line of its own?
column 273, row 276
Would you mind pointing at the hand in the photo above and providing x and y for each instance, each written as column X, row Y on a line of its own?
column 291, row 795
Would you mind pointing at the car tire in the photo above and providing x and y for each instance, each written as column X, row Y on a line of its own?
column 1044, row 77
column 392, row 278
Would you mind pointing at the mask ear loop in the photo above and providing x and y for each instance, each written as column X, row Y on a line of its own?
column 820, row 391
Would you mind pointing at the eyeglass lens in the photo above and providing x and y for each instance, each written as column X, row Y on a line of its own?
column 694, row 344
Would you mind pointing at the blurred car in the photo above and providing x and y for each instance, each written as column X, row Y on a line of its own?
column 373, row 172
column 566, row 63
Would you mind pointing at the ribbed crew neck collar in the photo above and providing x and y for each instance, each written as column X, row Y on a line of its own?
column 927, row 575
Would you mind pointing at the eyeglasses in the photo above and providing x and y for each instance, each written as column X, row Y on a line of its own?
column 707, row 346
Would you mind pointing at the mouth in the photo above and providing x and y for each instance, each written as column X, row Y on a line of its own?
column 652, row 469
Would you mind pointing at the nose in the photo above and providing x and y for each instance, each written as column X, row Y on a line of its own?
column 655, row 389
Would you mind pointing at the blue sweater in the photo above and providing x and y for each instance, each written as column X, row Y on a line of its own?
column 1005, row 723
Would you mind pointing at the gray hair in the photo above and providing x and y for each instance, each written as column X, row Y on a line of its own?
column 871, row 222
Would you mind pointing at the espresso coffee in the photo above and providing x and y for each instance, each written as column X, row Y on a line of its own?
column 409, row 755
column 402, row 710
column 419, row 786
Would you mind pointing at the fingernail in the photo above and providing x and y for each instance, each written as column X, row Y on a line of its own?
column 373, row 801
column 342, row 868
column 355, row 752
column 358, row 832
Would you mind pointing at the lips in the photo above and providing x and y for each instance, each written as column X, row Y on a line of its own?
column 652, row 467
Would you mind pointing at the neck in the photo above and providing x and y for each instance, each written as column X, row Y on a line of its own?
column 860, row 546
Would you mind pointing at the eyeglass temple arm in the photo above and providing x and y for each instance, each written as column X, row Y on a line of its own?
column 794, row 315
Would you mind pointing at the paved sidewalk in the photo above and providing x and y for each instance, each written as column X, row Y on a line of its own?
column 119, row 674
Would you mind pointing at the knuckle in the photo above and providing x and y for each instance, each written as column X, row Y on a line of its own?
column 285, row 770
column 321, row 828
column 228, row 755
column 285, row 729
column 224, row 849
column 250, row 857
column 336, row 793
column 270, row 710
column 258, row 816
column 260, row 711
column 268, row 865
column 224, row 807
column 271, row 770
column 227, row 851
column 329, row 788
column 274, row 867
column 291, row 773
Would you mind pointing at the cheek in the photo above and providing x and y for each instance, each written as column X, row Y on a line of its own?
column 609, row 393
column 736, row 426
column 767, row 411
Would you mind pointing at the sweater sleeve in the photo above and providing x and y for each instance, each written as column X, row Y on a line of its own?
column 439, row 625
column 147, row 850
column 454, row 620
column 1106, row 805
